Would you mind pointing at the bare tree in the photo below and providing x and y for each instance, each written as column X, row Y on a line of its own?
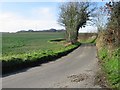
column 100, row 18
column 73, row 16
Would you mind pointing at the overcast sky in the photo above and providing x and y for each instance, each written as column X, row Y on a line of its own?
column 15, row 16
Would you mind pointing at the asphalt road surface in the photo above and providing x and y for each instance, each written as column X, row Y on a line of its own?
column 76, row 70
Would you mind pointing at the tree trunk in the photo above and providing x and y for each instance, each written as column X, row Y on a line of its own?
column 71, row 35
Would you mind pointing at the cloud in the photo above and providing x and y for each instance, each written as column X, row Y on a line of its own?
column 57, row 0
column 41, row 18
column 43, row 13
column 33, row 0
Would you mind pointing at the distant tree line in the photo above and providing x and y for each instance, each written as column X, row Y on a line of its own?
column 50, row 30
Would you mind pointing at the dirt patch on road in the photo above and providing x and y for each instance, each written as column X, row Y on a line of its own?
column 78, row 78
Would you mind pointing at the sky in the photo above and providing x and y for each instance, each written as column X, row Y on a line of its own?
column 16, row 16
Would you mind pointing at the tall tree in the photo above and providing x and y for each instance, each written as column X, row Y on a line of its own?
column 73, row 16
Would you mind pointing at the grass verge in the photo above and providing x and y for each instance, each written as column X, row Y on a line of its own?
column 110, row 66
column 10, row 64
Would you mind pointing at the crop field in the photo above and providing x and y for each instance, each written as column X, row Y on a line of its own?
column 29, row 42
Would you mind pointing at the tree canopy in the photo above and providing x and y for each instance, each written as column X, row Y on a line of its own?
column 73, row 16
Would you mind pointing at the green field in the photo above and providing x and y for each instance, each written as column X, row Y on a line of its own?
column 29, row 42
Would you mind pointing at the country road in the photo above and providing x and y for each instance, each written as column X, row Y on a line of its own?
column 76, row 70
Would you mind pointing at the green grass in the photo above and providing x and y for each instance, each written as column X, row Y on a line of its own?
column 111, row 66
